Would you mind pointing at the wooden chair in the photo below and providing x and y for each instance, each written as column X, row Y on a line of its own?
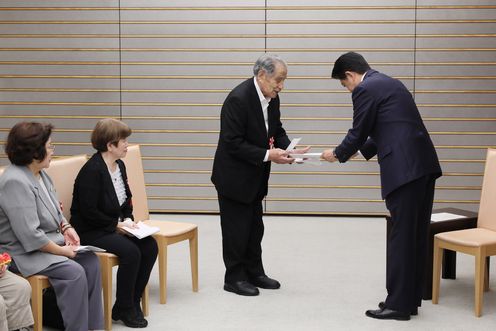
column 107, row 262
column 63, row 173
column 38, row 284
column 479, row 242
column 170, row 232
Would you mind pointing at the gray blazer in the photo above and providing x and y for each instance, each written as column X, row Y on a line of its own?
column 28, row 220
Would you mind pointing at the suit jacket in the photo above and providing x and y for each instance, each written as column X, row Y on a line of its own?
column 239, row 172
column 95, row 208
column 386, row 122
column 28, row 220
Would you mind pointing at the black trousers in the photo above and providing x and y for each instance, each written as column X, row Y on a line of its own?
column 411, row 207
column 136, row 260
column 242, row 232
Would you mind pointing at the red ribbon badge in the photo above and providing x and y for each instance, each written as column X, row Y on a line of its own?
column 271, row 142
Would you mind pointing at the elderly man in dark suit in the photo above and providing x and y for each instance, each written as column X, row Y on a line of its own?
column 386, row 122
column 251, row 137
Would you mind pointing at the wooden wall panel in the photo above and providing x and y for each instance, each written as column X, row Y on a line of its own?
column 165, row 67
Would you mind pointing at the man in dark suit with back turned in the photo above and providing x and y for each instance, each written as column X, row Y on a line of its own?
column 386, row 122
column 251, row 137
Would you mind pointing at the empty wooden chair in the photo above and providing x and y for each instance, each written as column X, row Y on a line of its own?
column 479, row 242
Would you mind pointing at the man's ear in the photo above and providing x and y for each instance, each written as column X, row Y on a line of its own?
column 349, row 74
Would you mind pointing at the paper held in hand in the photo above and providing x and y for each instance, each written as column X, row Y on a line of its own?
column 293, row 144
column 142, row 230
column 89, row 248
column 307, row 156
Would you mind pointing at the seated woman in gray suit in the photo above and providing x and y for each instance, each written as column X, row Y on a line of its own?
column 35, row 233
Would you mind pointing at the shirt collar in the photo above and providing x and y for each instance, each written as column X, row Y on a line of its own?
column 261, row 97
column 363, row 76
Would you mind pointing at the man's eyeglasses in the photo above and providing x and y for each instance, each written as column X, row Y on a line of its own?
column 51, row 147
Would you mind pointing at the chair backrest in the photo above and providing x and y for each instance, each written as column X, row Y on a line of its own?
column 63, row 172
column 487, row 210
column 136, row 181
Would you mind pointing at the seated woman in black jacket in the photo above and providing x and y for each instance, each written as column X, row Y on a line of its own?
column 101, row 203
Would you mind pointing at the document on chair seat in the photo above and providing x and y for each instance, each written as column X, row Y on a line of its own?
column 439, row 217
column 89, row 248
column 142, row 230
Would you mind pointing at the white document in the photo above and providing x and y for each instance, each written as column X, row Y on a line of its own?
column 293, row 144
column 310, row 156
column 438, row 217
column 307, row 158
column 142, row 230
column 89, row 248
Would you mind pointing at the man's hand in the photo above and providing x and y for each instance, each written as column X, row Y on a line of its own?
column 279, row 156
column 328, row 155
column 300, row 151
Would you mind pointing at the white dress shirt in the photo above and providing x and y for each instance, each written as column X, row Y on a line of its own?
column 265, row 105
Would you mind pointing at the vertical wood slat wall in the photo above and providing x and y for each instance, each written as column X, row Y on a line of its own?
column 165, row 69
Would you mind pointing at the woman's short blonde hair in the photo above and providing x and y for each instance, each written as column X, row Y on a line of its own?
column 108, row 130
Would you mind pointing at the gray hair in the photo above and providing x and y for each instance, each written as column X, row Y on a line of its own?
column 267, row 63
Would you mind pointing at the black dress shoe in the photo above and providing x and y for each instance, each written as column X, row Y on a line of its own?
column 128, row 317
column 241, row 287
column 265, row 282
column 388, row 314
column 414, row 312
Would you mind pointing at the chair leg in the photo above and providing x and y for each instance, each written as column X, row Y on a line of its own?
column 480, row 264
column 37, row 304
column 106, row 270
column 486, row 274
column 144, row 301
column 193, row 254
column 162, row 269
column 436, row 272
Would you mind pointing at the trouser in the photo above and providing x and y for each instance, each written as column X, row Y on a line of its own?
column 15, row 310
column 242, row 232
column 410, row 207
column 78, row 288
column 136, row 260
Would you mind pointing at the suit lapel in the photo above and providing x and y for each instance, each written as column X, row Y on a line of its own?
column 51, row 192
column 41, row 194
column 109, row 186
column 257, row 107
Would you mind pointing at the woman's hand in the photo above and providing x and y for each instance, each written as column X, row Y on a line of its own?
column 55, row 249
column 121, row 225
column 71, row 237
column 68, row 251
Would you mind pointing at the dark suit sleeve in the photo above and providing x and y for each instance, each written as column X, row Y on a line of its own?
column 233, row 129
column 364, row 114
column 369, row 149
column 89, row 185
